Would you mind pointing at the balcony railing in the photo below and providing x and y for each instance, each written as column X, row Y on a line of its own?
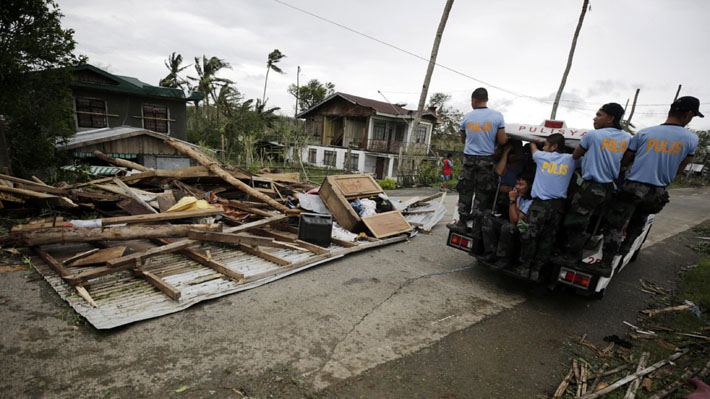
column 393, row 147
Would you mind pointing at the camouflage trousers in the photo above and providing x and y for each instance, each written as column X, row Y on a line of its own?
column 543, row 218
column 500, row 237
column 584, row 202
column 476, row 178
column 633, row 204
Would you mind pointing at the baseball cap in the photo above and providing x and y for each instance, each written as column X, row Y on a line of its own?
column 687, row 103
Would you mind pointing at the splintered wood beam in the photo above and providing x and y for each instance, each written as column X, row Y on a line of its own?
column 243, row 207
column 216, row 169
column 204, row 261
column 60, row 201
column 263, row 255
column 167, row 289
column 259, row 223
column 160, row 217
column 119, row 162
column 80, row 255
column 416, row 200
column 59, row 269
column 123, row 233
column 306, row 245
column 141, row 256
column 228, row 238
column 133, row 195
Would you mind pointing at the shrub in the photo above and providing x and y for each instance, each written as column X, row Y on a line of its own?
column 387, row 184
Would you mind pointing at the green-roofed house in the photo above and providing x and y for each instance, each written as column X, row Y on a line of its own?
column 102, row 99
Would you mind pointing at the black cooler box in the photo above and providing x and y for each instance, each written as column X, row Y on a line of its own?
column 315, row 228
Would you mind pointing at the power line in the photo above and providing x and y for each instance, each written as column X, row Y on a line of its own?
column 511, row 92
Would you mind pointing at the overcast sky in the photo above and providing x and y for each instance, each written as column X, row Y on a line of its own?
column 517, row 47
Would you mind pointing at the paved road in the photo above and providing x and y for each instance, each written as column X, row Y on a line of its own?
column 323, row 325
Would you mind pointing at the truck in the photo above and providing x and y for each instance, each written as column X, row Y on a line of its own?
column 578, row 278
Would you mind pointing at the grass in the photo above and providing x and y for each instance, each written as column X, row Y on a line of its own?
column 696, row 285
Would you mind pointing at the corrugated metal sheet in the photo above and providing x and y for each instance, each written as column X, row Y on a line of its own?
column 124, row 299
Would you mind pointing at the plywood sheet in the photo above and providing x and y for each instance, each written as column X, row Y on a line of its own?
column 387, row 224
column 357, row 185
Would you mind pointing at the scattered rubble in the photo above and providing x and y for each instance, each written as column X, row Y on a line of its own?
column 160, row 241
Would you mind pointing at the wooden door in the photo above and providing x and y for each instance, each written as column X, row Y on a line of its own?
column 380, row 168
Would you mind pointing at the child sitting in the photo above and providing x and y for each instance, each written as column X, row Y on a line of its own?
column 500, row 235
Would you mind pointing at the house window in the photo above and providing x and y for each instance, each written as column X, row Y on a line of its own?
column 399, row 134
column 379, row 131
column 420, row 135
column 155, row 118
column 91, row 112
column 354, row 160
column 329, row 158
column 312, row 155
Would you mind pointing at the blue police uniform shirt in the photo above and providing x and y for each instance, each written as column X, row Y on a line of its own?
column 659, row 151
column 605, row 148
column 524, row 205
column 553, row 174
column 481, row 126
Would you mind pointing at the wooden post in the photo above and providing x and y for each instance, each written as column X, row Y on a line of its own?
column 633, row 107
column 216, row 169
column 677, row 93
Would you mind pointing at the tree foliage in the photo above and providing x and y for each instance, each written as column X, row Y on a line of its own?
column 36, row 103
column 173, row 79
column 312, row 93
column 446, row 132
column 207, row 80
column 274, row 57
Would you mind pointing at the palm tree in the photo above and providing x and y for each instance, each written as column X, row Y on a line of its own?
column 274, row 57
column 173, row 79
column 207, row 81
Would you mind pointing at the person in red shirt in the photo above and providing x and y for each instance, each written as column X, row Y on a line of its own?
column 446, row 171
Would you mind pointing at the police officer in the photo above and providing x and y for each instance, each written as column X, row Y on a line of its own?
column 480, row 130
column 552, row 176
column 601, row 151
column 658, row 154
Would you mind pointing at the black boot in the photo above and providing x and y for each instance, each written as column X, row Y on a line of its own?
column 460, row 226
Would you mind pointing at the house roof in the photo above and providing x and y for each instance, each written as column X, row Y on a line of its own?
column 380, row 107
column 95, row 136
column 130, row 85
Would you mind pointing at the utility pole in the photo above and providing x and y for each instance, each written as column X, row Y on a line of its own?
column 298, row 88
column 569, row 60
column 430, row 68
column 677, row 93
column 633, row 108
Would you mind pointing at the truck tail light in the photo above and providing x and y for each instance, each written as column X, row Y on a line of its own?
column 554, row 124
column 460, row 241
column 575, row 278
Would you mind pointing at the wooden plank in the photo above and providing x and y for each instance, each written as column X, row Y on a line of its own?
column 319, row 258
column 133, row 195
column 140, row 256
column 234, row 239
column 264, row 255
column 80, row 255
column 416, row 200
column 124, row 233
column 306, row 245
column 59, row 269
column 160, row 217
column 120, row 162
column 204, row 261
column 167, row 289
column 418, row 212
column 387, row 224
column 258, row 223
column 99, row 257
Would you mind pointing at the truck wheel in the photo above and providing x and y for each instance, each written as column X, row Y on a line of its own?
column 638, row 251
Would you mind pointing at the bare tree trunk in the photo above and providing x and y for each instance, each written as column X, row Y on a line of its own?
column 633, row 108
column 569, row 60
column 263, row 97
column 430, row 69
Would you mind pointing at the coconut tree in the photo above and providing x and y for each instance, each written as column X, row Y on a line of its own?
column 173, row 63
column 207, row 80
column 274, row 57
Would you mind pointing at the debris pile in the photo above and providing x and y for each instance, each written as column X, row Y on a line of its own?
column 159, row 241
